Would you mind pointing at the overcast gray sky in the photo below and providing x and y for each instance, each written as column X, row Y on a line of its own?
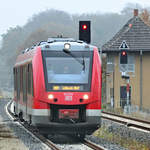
column 17, row 12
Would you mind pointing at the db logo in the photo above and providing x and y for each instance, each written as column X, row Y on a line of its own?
column 68, row 96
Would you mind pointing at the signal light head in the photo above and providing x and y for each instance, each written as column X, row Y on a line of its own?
column 123, row 57
column 124, row 53
column 84, row 27
column 85, row 31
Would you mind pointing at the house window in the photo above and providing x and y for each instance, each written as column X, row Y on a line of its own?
column 131, row 63
column 130, row 67
column 110, row 63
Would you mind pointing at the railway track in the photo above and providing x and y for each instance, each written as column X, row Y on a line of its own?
column 32, row 130
column 128, row 121
column 45, row 140
column 92, row 145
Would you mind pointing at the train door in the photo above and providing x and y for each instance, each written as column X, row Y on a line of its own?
column 25, row 91
column 29, row 91
column 16, row 89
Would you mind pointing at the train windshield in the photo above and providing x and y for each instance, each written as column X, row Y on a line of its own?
column 68, row 72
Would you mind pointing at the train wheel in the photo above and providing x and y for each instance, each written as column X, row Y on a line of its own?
column 82, row 136
column 30, row 119
column 21, row 117
column 45, row 135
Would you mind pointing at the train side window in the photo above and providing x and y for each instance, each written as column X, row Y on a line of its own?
column 24, row 83
column 18, row 83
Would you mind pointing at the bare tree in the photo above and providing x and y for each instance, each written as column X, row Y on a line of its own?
column 145, row 15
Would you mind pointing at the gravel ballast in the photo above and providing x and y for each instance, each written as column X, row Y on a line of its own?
column 118, row 134
column 14, row 137
column 126, row 132
column 19, row 138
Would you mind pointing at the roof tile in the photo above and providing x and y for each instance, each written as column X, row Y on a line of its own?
column 136, row 36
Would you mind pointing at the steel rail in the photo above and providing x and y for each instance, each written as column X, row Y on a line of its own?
column 128, row 121
column 93, row 145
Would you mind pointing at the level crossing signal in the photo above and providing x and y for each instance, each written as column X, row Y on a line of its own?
column 85, row 31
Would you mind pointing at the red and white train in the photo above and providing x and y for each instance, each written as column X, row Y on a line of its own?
column 57, row 87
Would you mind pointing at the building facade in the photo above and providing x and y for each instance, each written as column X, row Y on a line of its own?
column 134, row 39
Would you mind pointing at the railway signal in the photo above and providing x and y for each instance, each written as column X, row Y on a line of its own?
column 85, row 31
column 123, row 57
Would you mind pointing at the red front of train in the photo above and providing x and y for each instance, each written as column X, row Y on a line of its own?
column 65, row 84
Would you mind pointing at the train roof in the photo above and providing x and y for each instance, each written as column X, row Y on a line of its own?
column 58, row 44
column 54, row 44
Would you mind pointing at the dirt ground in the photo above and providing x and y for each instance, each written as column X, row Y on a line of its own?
column 8, row 141
column 11, row 144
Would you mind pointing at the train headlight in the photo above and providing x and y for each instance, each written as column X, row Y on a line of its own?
column 50, row 96
column 67, row 47
column 85, row 96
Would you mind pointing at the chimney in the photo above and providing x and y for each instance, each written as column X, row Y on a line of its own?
column 136, row 11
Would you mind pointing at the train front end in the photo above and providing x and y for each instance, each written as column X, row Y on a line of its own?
column 68, row 87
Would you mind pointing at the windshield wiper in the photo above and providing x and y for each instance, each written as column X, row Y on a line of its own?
column 82, row 62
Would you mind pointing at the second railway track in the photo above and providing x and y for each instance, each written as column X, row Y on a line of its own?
column 128, row 121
